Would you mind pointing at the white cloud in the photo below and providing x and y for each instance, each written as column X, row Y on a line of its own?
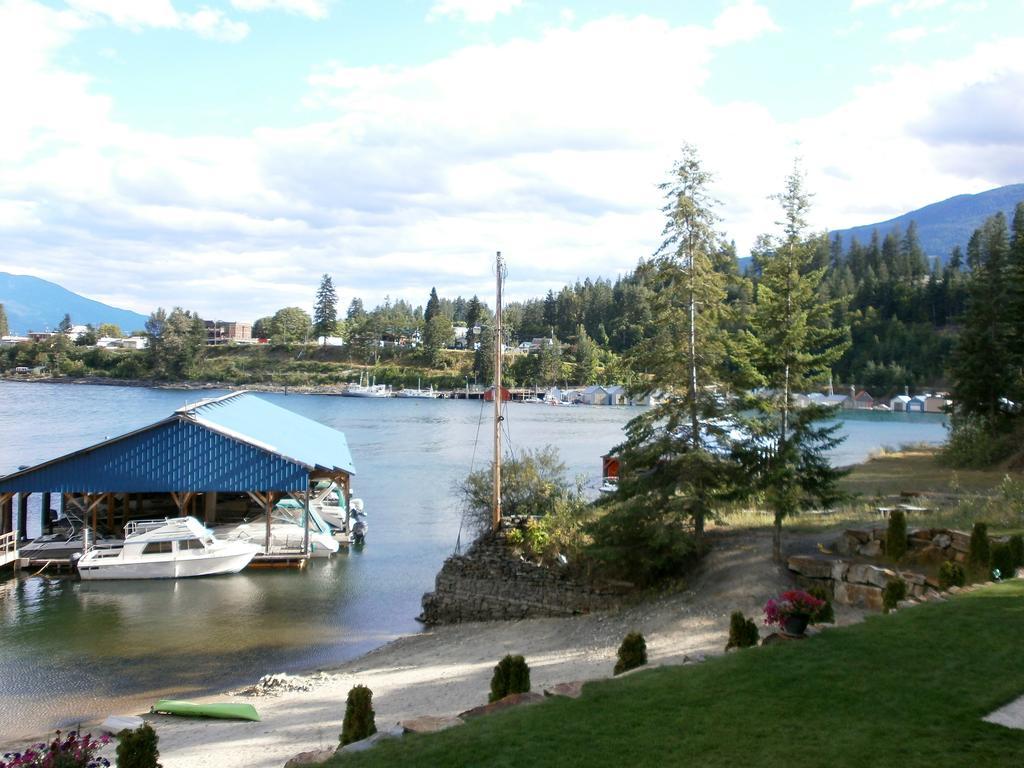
column 314, row 9
column 207, row 22
column 473, row 11
column 212, row 24
column 908, row 34
column 548, row 149
column 743, row 21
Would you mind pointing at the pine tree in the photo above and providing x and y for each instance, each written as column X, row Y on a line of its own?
column 4, row 328
column 550, row 311
column 1015, row 287
column 473, row 315
column 355, row 309
column 676, row 465
column 483, row 356
column 981, row 369
column 325, row 312
column 584, row 357
column 433, row 306
column 789, row 346
column 65, row 324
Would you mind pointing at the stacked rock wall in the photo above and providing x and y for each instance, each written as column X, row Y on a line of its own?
column 925, row 545
column 491, row 583
column 856, row 584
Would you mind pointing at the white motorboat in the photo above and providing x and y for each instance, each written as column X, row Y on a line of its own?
column 348, row 523
column 418, row 392
column 367, row 390
column 287, row 535
column 166, row 549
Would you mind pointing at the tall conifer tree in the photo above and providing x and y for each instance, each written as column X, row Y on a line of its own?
column 790, row 345
column 325, row 312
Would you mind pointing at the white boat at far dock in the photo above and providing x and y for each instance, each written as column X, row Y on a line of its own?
column 167, row 549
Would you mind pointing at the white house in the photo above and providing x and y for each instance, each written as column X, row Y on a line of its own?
column 899, row 403
column 594, row 395
column 133, row 342
column 617, row 395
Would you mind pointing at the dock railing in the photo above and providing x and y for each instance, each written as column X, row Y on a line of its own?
column 8, row 548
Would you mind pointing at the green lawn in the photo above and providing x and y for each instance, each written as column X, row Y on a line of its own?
column 902, row 690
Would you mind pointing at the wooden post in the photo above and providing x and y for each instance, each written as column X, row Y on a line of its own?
column 305, row 523
column 6, row 512
column 23, row 516
column 44, row 515
column 110, row 513
column 268, row 506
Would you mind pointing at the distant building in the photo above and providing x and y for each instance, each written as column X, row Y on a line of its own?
column 859, row 401
column 236, row 331
column 937, row 403
column 133, row 342
column 617, row 395
column 75, row 332
column 594, row 395
column 899, row 403
column 10, row 341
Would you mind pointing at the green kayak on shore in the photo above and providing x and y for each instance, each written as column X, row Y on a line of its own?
column 191, row 709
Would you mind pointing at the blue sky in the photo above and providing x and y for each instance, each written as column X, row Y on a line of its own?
column 222, row 154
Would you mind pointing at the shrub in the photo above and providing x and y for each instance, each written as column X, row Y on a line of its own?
column 951, row 574
column 511, row 675
column 358, row 723
column 742, row 632
column 979, row 556
column 632, row 653
column 1002, row 561
column 894, row 591
column 71, row 751
column 825, row 614
column 137, row 748
column 896, row 536
column 1017, row 549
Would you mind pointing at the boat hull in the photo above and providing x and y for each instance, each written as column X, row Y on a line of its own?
column 231, row 561
column 220, row 711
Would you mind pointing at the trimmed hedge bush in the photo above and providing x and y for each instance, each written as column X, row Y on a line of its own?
column 980, row 555
column 632, row 653
column 951, row 574
column 894, row 591
column 359, row 722
column 896, row 535
column 742, row 631
column 136, row 748
column 511, row 675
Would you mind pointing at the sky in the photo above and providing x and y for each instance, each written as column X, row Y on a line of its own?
column 222, row 155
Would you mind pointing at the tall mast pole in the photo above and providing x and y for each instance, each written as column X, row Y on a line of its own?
column 496, row 500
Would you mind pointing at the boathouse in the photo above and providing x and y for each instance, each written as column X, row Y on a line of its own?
column 238, row 449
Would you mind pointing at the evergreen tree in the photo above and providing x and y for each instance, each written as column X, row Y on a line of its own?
column 675, row 462
column 437, row 336
column 473, row 315
column 584, row 357
column 4, row 328
column 789, row 346
column 981, row 367
column 550, row 311
column 550, row 365
column 483, row 356
column 433, row 306
column 355, row 310
column 1015, row 288
column 325, row 311
column 65, row 324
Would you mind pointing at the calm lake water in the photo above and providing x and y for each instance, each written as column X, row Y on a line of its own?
column 73, row 651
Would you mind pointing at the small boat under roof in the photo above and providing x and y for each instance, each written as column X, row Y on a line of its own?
column 167, row 549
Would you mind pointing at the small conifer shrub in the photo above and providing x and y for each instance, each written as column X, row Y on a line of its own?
column 632, row 653
column 511, row 675
column 136, row 748
column 894, row 591
column 1002, row 561
column 896, row 535
column 980, row 555
column 826, row 614
column 1017, row 548
column 951, row 574
column 358, row 723
column 742, row 632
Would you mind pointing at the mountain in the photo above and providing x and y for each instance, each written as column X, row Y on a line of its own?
column 33, row 304
column 940, row 226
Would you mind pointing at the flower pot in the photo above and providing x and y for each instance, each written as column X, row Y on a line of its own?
column 795, row 624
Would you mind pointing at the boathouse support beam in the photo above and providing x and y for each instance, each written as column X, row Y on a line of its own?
column 23, row 516
column 6, row 512
column 44, row 514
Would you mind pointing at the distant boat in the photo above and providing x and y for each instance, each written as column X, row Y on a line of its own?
column 287, row 534
column 167, row 549
column 367, row 390
column 418, row 392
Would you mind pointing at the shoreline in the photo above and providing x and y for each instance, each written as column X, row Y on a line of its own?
column 103, row 381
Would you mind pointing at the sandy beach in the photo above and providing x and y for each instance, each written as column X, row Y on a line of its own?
column 447, row 670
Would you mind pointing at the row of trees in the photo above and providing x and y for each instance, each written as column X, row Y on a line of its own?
column 709, row 342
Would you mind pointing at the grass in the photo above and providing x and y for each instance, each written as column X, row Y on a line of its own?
column 955, row 498
column 905, row 690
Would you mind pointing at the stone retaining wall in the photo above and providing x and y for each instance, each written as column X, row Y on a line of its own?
column 492, row 583
column 856, row 584
column 925, row 545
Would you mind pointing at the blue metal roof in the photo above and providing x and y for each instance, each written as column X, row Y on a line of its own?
column 259, row 422
column 235, row 443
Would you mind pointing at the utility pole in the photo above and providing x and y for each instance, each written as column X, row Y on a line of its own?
column 496, row 500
